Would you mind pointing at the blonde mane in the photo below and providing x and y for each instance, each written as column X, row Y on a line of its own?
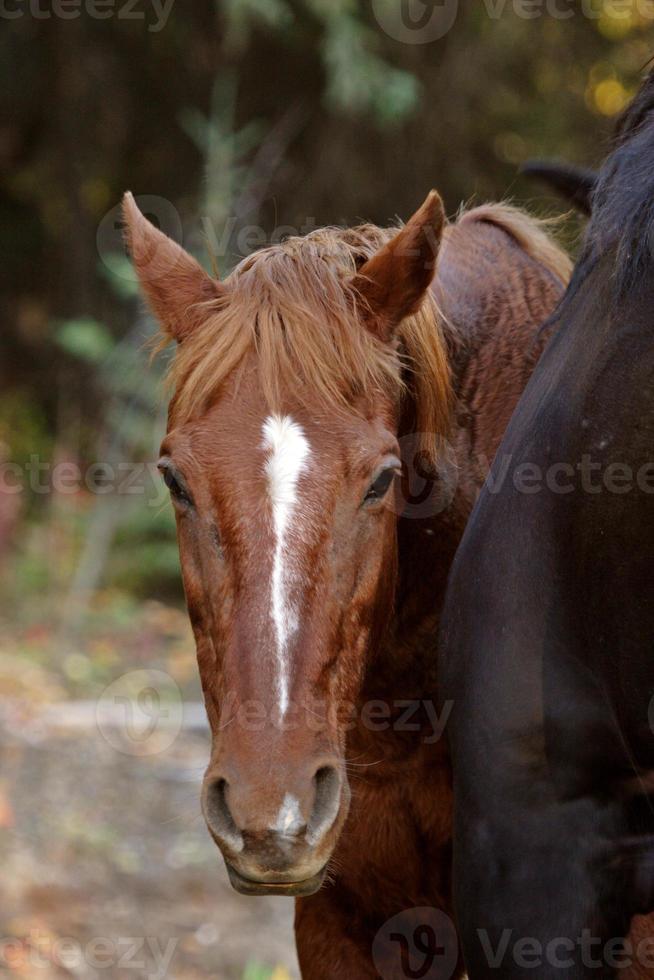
column 293, row 305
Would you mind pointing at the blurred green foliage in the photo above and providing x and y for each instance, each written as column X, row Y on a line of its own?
column 86, row 339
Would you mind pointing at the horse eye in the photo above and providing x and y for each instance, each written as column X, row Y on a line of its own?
column 174, row 483
column 380, row 485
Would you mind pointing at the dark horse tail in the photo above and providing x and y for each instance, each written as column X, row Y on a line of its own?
column 575, row 184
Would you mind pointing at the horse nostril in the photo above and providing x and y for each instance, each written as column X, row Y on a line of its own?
column 219, row 818
column 326, row 803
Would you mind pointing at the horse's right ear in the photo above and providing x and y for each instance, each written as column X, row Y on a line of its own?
column 171, row 279
column 393, row 282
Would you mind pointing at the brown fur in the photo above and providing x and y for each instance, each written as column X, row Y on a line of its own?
column 370, row 372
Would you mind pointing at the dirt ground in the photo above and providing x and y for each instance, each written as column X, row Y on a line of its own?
column 107, row 870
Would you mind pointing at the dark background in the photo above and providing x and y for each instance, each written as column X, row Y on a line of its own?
column 346, row 123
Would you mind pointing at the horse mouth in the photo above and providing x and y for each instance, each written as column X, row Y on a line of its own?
column 286, row 889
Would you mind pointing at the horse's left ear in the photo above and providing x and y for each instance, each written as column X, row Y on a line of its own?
column 392, row 284
column 171, row 279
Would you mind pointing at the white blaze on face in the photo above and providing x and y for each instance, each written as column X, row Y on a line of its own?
column 288, row 450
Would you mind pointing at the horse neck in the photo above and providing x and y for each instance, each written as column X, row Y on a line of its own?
column 487, row 289
column 404, row 666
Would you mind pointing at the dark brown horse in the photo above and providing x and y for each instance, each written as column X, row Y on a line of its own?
column 332, row 385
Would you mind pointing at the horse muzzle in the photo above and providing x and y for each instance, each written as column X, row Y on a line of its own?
column 277, row 840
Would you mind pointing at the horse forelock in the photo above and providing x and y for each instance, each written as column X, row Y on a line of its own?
column 292, row 306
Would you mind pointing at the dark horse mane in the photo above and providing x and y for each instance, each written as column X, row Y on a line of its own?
column 623, row 205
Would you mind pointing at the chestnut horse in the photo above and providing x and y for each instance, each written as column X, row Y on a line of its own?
column 319, row 371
